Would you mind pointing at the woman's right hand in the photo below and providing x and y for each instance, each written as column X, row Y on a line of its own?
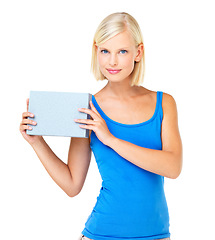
column 31, row 139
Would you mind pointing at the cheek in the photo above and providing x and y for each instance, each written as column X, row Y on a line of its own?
column 101, row 60
column 128, row 62
column 102, row 64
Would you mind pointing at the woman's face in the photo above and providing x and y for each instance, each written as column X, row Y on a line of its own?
column 116, row 57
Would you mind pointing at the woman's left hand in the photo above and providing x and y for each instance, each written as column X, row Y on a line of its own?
column 97, row 124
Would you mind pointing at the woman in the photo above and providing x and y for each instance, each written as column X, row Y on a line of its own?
column 134, row 136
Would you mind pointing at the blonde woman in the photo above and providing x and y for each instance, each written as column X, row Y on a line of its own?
column 134, row 136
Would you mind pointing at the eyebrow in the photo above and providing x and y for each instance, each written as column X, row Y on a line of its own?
column 117, row 49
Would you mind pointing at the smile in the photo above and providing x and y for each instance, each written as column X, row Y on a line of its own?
column 113, row 71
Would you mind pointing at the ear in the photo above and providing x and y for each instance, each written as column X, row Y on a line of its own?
column 140, row 51
column 96, row 46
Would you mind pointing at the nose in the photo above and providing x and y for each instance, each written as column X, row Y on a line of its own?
column 113, row 60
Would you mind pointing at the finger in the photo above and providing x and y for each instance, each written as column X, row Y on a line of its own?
column 28, row 121
column 90, row 127
column 93, row 108
column 27, row 114
column 86, row 121
column 92, row 113
column 25, row 127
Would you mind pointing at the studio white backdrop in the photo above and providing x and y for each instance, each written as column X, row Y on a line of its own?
column 46, row 45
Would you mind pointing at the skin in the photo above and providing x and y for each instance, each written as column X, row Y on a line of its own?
column 124, row 104
column 166, row 162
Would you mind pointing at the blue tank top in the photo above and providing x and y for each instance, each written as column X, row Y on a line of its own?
column 132, row 203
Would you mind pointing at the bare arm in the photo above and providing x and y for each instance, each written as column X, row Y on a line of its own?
column 79, row 158
column 166, row 162
column 69, row 177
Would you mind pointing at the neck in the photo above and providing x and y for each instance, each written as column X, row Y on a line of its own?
column 121, row 90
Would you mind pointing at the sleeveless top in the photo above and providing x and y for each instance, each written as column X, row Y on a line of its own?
column 132, row 203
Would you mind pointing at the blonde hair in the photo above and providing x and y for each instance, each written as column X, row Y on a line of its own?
column 112, row 25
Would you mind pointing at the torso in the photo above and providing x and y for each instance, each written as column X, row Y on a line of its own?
column 136, row 109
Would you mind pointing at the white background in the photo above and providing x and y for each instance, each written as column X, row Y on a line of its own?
column 46, row 45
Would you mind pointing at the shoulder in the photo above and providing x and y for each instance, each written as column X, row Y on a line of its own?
column 168, row 101
column 99, row 96
column 168, row 98
column 169, row 107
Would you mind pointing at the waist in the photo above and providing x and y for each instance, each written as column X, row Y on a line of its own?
column 111, row 217
column 86, row 238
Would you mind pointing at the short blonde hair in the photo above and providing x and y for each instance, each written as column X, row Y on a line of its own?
column 112, row 25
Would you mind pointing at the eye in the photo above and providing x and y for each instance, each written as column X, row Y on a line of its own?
column 104, row 51
column 123, row 51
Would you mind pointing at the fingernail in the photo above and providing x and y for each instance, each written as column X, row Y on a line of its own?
column 31, row 114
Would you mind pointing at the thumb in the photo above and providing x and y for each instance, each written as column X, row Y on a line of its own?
column 27, row 101
column 93, row 108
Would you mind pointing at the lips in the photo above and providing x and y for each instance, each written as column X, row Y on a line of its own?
column 113, row 71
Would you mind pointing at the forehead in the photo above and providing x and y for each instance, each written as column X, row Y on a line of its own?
column 123, row 39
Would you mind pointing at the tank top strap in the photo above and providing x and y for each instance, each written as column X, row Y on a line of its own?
column 159, row 102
